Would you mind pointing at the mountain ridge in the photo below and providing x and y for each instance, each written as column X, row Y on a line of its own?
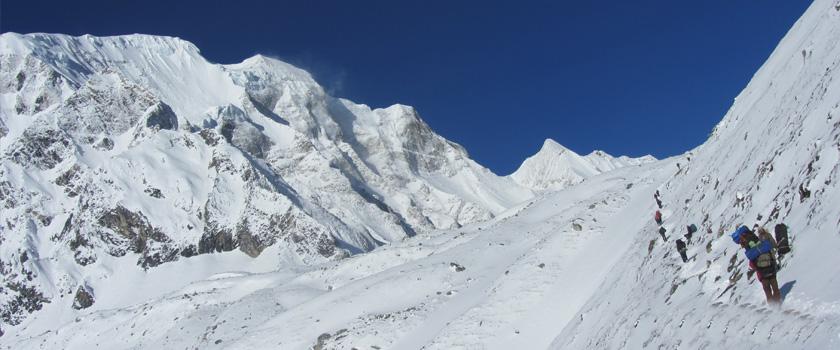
column 135, row 147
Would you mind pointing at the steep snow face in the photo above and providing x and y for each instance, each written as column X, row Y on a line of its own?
column 135, row 147
column 774, row 158
column 556, row 167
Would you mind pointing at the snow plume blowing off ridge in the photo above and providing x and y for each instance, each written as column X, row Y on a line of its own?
column 473, row 260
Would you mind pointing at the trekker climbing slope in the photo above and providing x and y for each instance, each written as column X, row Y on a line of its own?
column 658, row 217
column 760, row 254
column 681, row 248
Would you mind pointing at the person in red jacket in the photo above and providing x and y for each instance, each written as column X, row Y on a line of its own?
column 767, row 276
column 658, row 217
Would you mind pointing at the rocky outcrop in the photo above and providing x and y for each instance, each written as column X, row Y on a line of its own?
column 83, row 299
column 42, row 148
column 133, row 226
column 161, row 117
column 25, row 299
column 143, row 238
column 216, row 240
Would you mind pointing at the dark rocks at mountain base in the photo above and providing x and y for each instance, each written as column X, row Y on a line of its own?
column 24, row 300
column 106, row 144
column 291, row 227
column 164, row 255
column 43, row 149
column 456, row 267
column 162, row 118
column 142, row 237
column 154, row 192
column 216, row 241
column 189, row 251
column 248, row 243
column 209, row 136
column 324, row 338
column 134, row 226
column 84, row 298
column 321, row 341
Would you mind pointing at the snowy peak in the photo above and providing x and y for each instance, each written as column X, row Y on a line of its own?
column 556, row 167
column 604, row 162
column 550, row 145
column 136, row 149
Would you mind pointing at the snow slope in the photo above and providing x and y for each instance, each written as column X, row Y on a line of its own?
column 581, row 267
column 405, row 295
column 775, row 157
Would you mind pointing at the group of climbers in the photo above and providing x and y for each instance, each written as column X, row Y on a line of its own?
column 760, row 247
column 681, row 245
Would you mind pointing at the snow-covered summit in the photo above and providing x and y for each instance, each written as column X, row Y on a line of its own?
column 137, row 148
column 556, row 167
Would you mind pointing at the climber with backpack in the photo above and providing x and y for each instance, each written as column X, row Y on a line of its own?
column 760, row 254
column 658, row 217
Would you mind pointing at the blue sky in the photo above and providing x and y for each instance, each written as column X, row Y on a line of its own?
column 628, row 77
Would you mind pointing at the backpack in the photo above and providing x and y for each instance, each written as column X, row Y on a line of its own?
column 740, row 231
column 763, row 247
column 766, row 265
column 782, row 238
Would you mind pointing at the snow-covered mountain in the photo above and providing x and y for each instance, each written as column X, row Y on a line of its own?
column 556, row 167
column 136, row 146
column 577, row 268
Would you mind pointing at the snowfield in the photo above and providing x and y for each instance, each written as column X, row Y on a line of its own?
column 562, row 254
